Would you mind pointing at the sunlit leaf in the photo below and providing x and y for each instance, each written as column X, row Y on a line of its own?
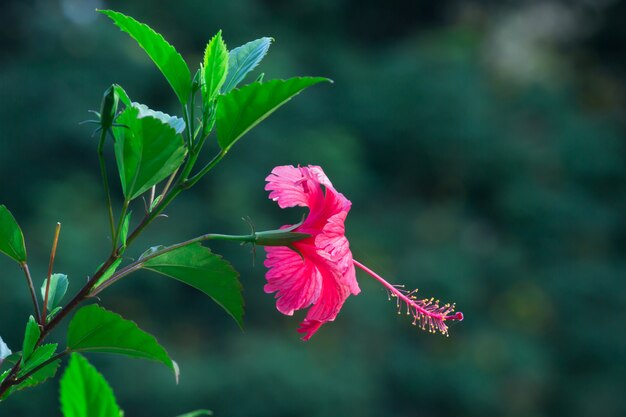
column 171, row 64
column 94, row 329
column 58, row 288
column 125, row 227
column 244, row 59
column 214, row 68
column 84, row 392
column 242, row 109
column 39, row 356
column 147, row 150
column 175, row 122
column 11, row 237
column 197, row 266
column 121, row 94
column 109, row 272
column 31, row 336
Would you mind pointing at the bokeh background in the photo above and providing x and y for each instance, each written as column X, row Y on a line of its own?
column 482, row 144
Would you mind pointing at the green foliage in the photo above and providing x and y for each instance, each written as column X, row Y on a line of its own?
column 38, row 357
column 94, row 329
column 147, row 150
column 58, row 288
column 171, row 64
column 244, row 59
column 85, row 393
column 125, row 227
column 109, row 272
column 214, row 68
column 11, row 237
column 41, row 355
column 121, row 95
column 31, row 336
column 197, row 266
column 242, row 109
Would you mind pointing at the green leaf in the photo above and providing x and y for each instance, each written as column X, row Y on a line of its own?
column 121, row 94
column 109, row 272
column 214, row 68
column 85, row 393
column 94, row 329
column 197, row 266
column 37, row 378
column 147, row 150
column 11, row 237
column 53, row 313
column 58, row 288
column 197, row 413
column 125, row 227
column 171, row 64
column 31, row 336
column 175, row 123
column 244, row 59
column 39, row 356
column 242, row 109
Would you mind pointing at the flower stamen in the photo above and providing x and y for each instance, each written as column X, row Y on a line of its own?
column 427, row 313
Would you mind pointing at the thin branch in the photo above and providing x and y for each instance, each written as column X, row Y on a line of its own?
column 53, row 252
column 138, row 264
column 24, row 377
column 31, row 287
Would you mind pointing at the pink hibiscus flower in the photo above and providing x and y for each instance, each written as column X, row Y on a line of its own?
column 318, row 271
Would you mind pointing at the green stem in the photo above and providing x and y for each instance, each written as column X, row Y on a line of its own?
column 139, row 263
column 193, row 180
column 24, row 377
column 105, row 182
column 31, row 288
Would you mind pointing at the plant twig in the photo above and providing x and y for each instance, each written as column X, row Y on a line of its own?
column 53, row 252
column 31, row 287
column 24, row 377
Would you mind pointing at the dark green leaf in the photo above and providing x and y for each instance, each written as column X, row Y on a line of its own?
column 214, row 68
column 147, row 150
column 94, row 329
column 244, row 59
column 242, row 109
column 58, row 288
column 31, row 336
column 11, row 237
column 39, row 356
column 197, row 266
column 159, row 50
column 85, row 392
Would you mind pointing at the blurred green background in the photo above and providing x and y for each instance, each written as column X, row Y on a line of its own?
column 481, row 143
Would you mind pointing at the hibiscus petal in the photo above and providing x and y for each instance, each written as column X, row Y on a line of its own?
column 333, row 245
column 295, row 279
column 290, row 186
